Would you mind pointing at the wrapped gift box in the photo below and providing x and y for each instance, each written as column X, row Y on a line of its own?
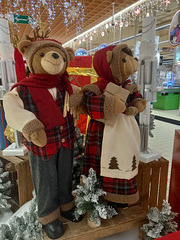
column 82, row 70
column 172, row 236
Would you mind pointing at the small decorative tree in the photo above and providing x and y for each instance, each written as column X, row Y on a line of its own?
column 89, row 200
column 78, row 157
column 151, row 123
column 5, row 189
column 26, row 227
column 113, row 163
column 160, row 222
column 134, row 164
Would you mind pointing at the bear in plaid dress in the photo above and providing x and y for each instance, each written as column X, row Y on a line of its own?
column 112, row 64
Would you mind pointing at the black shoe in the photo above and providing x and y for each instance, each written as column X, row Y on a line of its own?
column 122, row 205
column 54, row 229
column 70, row 215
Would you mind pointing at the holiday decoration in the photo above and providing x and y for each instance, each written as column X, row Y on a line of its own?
column 78, row 157
column 83, row 73
column 9, row 133
column 101, row 149
column 102, row 45
column 25, row 227
column 72, row 10
column 126, row 17
column 151, row 123
column 160, row 222
column 47, row 124
column 89, row 200
column 81, row 52
column 5, row 189
column 73, row 13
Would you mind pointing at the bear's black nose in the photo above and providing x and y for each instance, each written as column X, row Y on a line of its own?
column 55, row 55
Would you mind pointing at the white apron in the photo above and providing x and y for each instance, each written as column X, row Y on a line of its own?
column 121, row 148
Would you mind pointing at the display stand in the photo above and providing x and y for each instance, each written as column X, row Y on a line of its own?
column 152, row 185
column 16, row 148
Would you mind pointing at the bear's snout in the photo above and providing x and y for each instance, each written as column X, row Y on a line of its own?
column 55, row 55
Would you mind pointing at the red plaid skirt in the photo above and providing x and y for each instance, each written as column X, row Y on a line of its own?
column 92, row 160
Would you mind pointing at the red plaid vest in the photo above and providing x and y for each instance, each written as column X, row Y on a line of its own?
column 58, row 136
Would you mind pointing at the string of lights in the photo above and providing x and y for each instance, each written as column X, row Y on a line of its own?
column 72, row 10
column 123, row 19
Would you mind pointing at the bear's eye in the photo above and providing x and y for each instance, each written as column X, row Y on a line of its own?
column 123, row 60
column 42, row 54
column 64, row 59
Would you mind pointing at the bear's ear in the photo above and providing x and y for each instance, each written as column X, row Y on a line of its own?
column 70, row 53
column 23, row 45
column 109, row 56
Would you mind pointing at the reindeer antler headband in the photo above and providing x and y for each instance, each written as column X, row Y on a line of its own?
column 38, row 35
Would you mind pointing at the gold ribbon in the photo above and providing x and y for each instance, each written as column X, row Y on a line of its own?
column 90, row 72
column 9, row 133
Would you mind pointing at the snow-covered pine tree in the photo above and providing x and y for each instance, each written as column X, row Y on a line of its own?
column 78, row 157
column 26, row 227
column 5, row 189
column 89, row 199
column 160, row 222
column 79, row 143
column 151, row 123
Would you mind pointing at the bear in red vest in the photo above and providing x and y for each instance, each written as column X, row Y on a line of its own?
column 38, row 107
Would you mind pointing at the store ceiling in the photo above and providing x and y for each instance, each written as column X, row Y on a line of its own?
column 95, row 12
column 163, row 19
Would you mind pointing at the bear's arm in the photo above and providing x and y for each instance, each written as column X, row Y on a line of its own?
column 17, row 117
column 98, row 107
column 134, row 93
column 135, row 101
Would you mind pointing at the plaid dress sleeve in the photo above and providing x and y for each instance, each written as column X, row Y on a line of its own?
column 94, row 105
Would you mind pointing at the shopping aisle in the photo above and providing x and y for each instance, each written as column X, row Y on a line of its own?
column 171, row 114
column 163, row 134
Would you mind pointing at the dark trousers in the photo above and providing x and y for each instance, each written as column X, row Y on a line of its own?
column 52, row 180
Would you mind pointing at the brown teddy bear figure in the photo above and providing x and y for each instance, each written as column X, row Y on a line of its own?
column 113, row 64
column 38, row 107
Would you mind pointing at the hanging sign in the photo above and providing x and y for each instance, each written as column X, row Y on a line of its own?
column 174, row 30
column 81, row 52
column 22, row 19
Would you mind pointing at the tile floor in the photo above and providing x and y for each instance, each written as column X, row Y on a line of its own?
column 161, row 142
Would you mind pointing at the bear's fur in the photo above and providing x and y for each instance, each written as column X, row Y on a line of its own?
column 38, row 107
column 122, row 65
